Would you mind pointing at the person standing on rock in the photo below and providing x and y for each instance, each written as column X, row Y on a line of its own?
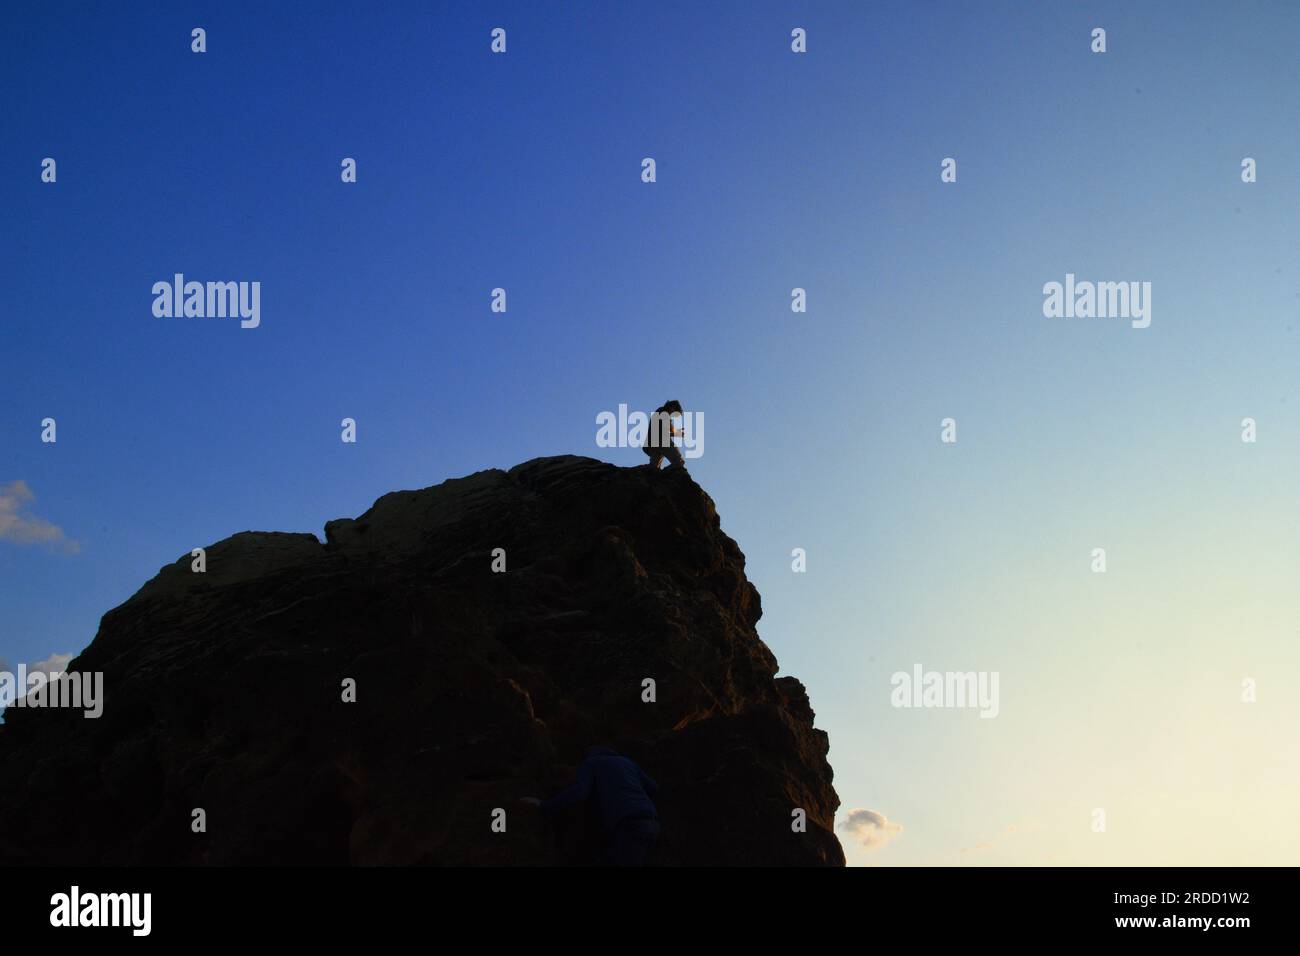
column 622, row 794
column 659, row 440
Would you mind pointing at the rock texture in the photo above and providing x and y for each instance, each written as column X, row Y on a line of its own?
column 223, row 690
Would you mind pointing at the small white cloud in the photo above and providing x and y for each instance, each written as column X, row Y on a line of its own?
column 870, row 828
column 53, row 663
column 20, row 526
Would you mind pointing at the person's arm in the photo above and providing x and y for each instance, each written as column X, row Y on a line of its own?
column 576, row 792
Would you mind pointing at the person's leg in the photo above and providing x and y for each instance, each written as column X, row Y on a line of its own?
column 632, row 842
column 674, row 455
column 656, row 461
column 616, row 853
column 649, row 837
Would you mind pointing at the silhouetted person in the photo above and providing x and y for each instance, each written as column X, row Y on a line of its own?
column 659, row 440
column 621, row 792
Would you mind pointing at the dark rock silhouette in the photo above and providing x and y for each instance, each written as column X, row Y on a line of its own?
column 223, row 690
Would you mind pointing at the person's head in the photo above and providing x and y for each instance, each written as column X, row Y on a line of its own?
column 672, row 407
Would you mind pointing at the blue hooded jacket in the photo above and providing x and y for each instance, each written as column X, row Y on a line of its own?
column 621, row 788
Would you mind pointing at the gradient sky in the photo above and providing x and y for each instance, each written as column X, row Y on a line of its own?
column 775, row 170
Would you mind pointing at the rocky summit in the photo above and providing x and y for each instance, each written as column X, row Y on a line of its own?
column 490, row 629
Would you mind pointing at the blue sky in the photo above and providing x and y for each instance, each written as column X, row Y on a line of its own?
column 775, row 171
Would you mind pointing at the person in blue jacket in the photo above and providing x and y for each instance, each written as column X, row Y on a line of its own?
column 622, row 793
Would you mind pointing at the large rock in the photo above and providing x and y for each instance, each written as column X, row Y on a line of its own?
column 223, row 690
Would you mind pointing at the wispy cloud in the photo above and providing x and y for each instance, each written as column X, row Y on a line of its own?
column 20, row 526
column 870, row 828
